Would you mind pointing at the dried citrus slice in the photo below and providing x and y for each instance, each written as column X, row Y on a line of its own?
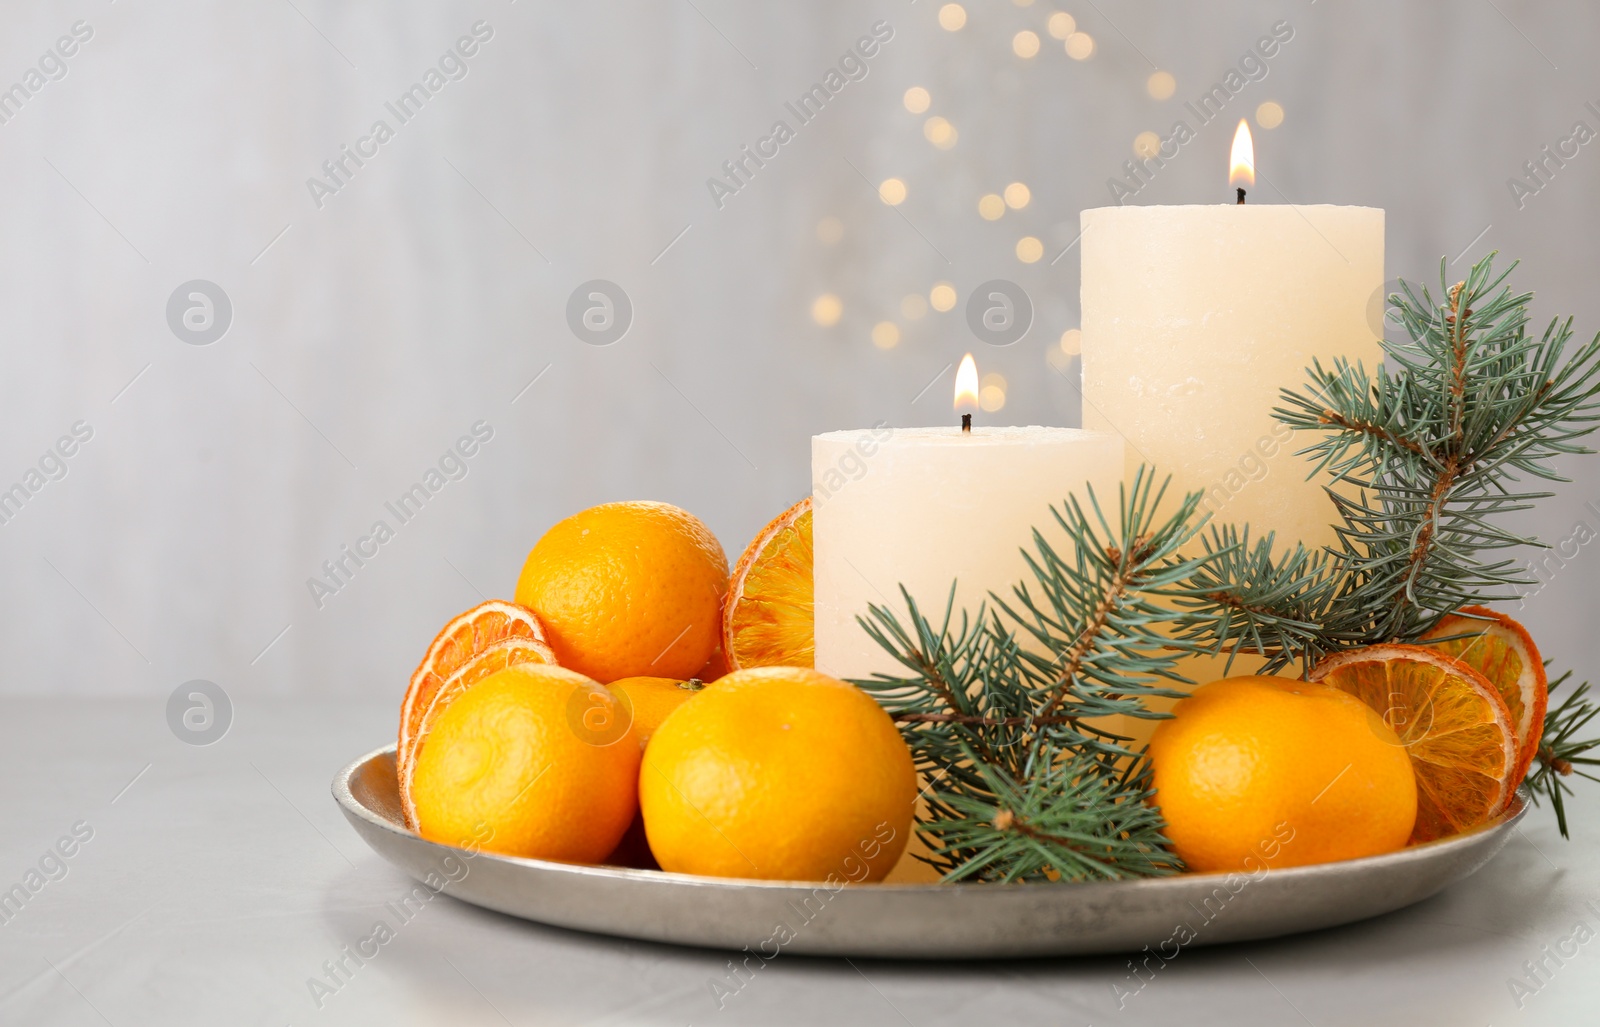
column 767, row 618
column 1450, row 719
column 1500, row 649
column 489, row 637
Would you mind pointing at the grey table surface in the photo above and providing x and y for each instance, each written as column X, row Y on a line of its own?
column 216, row 882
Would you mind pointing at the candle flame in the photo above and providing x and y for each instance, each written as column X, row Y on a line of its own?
column 967, row 384
column 1242, row 161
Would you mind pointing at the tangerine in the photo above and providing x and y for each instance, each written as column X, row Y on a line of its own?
column 778, row 773
column 1253, row 772
column 539, row 759
column 649, row 701
column 628, row 589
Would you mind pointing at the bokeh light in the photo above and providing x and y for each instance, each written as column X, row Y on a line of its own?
column 1025, row 44
column 1029, row 249
column 939, row 132
column 991, row 207
column 952, row 17
column 886, row 335
column 1017, row 196
column 1061, row 25
column 1072, row 342
column 1161, row 85
column 892, row 192
column 917, row 99
column 1269, row 114
column 1080, row 46
column 992, row 392
column 1146, row 144
column 826, row 310
column 942, row 296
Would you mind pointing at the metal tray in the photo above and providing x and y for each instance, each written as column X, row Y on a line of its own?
column 914, row 921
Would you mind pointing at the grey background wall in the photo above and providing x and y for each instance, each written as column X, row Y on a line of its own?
column 371, row 330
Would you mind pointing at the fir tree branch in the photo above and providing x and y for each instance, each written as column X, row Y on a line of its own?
column 1561, row 753
column 1243, row 598
column 1098, row 614
column 1425, row 453
column 1070, row 822
column 1024, row 780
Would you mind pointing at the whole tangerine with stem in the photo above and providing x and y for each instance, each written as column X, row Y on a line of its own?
column 649, row 701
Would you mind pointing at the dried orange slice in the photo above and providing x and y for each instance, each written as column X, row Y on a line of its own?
column 489, row 637
column 1501, row 650
column 767, row 617
column 1452, row 722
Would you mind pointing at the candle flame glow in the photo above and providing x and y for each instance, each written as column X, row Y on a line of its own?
column 967, row 384
column 1242, row 161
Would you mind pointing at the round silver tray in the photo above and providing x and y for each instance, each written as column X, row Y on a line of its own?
column 913, row 921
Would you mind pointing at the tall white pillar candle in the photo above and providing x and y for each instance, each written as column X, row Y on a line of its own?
column 1195, row 316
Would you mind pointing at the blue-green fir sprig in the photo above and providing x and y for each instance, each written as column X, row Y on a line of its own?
column 1003, row 709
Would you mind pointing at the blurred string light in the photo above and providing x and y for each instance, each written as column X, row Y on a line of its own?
column 1061, row 25
column 1161, row 85
column 826, row 310
column 917, row 99
column 830, row 230
column 892, row 192
column 1017, row 195
column 942, row 296
column 1025, row 44
column 1080, row 46
column 952, row 17
column 913, row 306
column 1269, row 114
column 991, row 207
column 992, row 392
column 1071, row 342
column 1023, row 3
column 1029, row 249
column 886, row 335
column 939, row 132
column 1146, row 144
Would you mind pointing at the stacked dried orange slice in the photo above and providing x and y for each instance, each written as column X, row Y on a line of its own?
column 487, row 638
column 1501, row 650
column 1452, row 722
column 1468, row 703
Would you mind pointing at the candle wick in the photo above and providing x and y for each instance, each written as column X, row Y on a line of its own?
column 966, row 422
column 1241, row 195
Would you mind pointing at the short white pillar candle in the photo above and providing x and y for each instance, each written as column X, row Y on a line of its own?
column 925, row 507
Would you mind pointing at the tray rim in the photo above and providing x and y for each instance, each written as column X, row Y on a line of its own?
column 1506, row 820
